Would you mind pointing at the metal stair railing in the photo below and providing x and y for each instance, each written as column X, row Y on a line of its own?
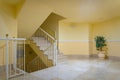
column 12, row 57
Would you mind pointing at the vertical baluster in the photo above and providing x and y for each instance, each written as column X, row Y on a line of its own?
column 45, row 42
column 10, row 58
column 34, row 66
column 52, row 53
column 37, row 64
column 15, row 55
column 55, row 53
column 41, row 33
column 3, row 55
column 39, row 38
column 11, row 55
column 24, row 55
column 7, row 57
column 18, row 57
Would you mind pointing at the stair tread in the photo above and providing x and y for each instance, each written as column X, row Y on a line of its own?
column 43, row 44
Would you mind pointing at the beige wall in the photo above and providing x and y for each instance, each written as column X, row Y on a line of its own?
column 111, row 30
column 7, row 8
column 73, row 31
column 8, row 23
column 19, row 7
column 2, row 55
column 51, row 24
column 74, row 38
column 31, row 16
column 74, row 48
column 91, row 39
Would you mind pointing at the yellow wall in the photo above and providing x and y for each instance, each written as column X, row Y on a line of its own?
column 74, row 48
column 8, row 23
column 74, row 38
column 73, row 31
column 91, row 39
column 111, row 30
column 51, row 24
column 19, row 7
column 31, row 16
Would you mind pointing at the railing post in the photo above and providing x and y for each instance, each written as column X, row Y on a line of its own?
column 15, row 55
column 11, row 57
column 55, row 53
column 24, row 56
column 7, row 56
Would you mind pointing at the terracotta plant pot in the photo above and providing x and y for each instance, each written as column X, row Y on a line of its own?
column 101, row 54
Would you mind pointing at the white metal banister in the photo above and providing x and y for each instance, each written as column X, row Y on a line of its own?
column 11, row 49
column 12, row 39
column 52, row 49
column 7, row 56
column 47, row 33
column 55, row 53
column 47, row 43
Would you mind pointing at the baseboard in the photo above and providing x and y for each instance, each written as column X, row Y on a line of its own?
column 114, row 58
column 93, row 55
column 77, row 56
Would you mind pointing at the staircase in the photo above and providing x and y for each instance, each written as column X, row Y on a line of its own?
column 44, row 44
column 48, row 46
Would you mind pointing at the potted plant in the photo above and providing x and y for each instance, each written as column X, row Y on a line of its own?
column 100, row 44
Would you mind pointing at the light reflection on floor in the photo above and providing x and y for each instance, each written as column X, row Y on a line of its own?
column 82, row 69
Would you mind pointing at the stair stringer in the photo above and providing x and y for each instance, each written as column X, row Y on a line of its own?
column 40, row 53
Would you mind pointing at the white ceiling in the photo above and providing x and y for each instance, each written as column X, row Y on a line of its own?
column 90, row 11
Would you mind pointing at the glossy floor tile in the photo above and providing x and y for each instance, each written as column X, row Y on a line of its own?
column 82, row 69
column 79, row 69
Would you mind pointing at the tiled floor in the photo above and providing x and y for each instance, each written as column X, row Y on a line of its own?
column 26, row 77
column 82, row 69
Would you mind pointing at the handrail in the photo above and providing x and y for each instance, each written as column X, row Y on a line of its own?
column 10, row 58
column 54, row 44
column 47, row 34
column 12, row 39
column 50, row 37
